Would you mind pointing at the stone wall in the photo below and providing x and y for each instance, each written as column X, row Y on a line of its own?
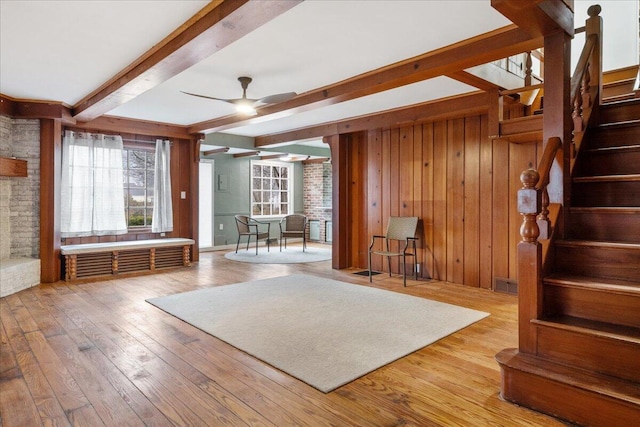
column 317, row 194
column 20, row 138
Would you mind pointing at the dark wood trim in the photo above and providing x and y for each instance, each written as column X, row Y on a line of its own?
column 50, row 172
column 217, row 25
column 35, row 109
column 339, row 146
column 557, row 112
column 455, row 106
column 139, row 127
column 468, row 53
column 539, row 18
column 473, row 80
column 194, row 182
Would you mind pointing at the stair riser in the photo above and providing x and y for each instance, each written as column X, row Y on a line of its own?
column 566, row 401
column 618, row 162
column 595, row 353
column 617, row 136
column 621, row 112
column 601, row 306
column 597, row 262
column 605, row 226
column 609, row 194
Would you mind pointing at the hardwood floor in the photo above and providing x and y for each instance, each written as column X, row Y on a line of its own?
column 95, row 353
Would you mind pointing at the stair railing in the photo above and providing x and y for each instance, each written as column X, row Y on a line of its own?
column 586, row 83
column 533, row 198
column 544, row 169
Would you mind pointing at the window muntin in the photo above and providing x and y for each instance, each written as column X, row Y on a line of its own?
column 271, row 188
column 138, row 170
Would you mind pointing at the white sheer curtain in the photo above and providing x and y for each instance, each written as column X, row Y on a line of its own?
column 92, row 199
column 162, row 220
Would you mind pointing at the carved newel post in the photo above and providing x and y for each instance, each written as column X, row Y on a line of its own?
column 529, row 261
column 529, row 203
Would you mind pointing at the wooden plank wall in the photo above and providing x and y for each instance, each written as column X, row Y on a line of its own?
column 461, row 184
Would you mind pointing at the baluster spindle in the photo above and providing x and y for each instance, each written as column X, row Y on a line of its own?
column 528, row 70
column 544, row 225
column 585, row 89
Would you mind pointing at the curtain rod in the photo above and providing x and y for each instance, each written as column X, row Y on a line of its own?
column 137, row 141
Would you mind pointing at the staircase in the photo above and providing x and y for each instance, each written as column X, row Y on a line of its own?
column 587, row 364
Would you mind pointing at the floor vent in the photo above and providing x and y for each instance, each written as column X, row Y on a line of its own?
column 507, row 286
column 96, row 264
column 138, row 260
column 169, row 257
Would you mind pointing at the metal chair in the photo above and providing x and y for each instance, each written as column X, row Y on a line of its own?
column 248, row 226
column 400, row 229
column 294, row 225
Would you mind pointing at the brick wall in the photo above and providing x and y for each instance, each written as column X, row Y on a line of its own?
column 317, row 194
column 20, row 138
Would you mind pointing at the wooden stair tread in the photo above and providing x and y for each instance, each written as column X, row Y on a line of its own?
column 623, row 81
column 535, row 118
column 584, row 282
column 606, row 209
column 608, row 178
column 609, row 126
column 620, row 97
column 617, row 149
column 598, row 244
column 627, row 334
column 601, row 384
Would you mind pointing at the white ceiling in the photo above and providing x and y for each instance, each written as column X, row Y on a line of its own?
column 64, row 50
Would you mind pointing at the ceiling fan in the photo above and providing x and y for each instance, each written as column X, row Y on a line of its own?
column 247, row 105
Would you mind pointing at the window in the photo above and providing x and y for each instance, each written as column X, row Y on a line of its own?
column 138, row 170
column 271, row 188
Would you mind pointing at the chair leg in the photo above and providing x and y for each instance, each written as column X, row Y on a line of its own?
column 257, row 240
column 248, row 240
column 238, row 244
column 389, row 265
column 369, row 267
column 404, row 270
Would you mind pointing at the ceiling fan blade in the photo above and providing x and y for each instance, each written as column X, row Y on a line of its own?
column 279, row 97
column 231, row 101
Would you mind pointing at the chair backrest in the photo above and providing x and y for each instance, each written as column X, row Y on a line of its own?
column 295, row 222
column 242, row 222
column 401, row 227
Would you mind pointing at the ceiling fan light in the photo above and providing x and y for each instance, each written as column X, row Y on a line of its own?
column 245, row 108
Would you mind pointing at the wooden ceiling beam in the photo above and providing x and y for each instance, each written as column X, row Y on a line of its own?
column 216, row 26
column 247, row 154
column 215, row 151
column 539, row 18
column 32, row 109
column 119, row 125
column 473, row 80
column 428, row 111
column 479, row 50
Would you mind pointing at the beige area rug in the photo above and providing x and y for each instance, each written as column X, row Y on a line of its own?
column 323, row 332
column 291, row 255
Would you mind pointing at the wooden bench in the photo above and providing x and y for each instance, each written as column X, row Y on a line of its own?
column 101, row 259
